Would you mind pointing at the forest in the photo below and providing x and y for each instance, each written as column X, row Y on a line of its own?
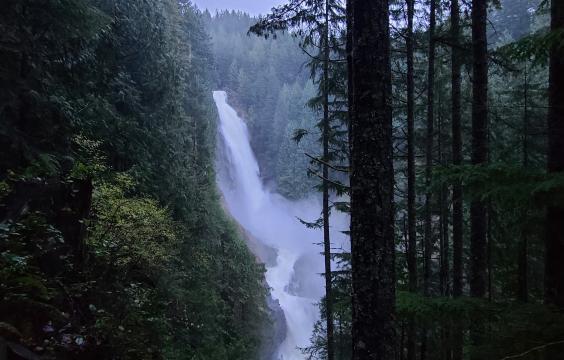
column 332, row 180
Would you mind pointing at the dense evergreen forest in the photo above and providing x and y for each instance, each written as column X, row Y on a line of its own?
column 268, row 83
column 113, row 241
column 452, row 254
column 436, row 126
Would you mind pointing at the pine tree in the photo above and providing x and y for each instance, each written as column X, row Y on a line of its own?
column 372, row 179
column 411, row 191
column 478, row 236
column 318, row 24
column 457, row 200
column 554, row 268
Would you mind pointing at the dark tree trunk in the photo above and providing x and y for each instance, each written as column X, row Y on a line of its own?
column 349, row 44
column 445, row 343
column 523, row 288
column 411, row 212
column 401, row 341
column 489, row 250
column 478, row 210
column 457, row 205
column 554, row 242
column 372, row 182
column 428, row 248
column 444, row 243
column 523, row 261
column 445, row 247
column 429, row 143
column 457, row 210
column 326, row 237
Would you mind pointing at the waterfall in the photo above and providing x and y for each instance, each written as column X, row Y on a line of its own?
column 295, row 279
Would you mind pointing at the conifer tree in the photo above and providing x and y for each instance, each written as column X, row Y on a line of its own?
column 411, row 191
column 478, row 216
column 372, row 179
column 554, row 273
column 319, row 25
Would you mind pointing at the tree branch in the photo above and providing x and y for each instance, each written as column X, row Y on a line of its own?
column 540, row 347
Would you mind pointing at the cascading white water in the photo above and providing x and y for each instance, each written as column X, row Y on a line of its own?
column 295, row 279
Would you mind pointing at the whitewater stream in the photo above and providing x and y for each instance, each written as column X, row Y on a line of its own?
column 294, row 278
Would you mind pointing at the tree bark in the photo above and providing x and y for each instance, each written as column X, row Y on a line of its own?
column 411, row 211
column 457, row 210
column 523, row 261
column 457, row 194
column 457, row 204
column 522, row 273
column 372, row 182
column 554, row 241
column 444, row 237
column 326, row 237
column 429, row 142
column 478, row 210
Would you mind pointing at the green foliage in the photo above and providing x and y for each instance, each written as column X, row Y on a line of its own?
column 342, row 290
column 43, row 44
column 91, row 162
column 535, row 47
column 266, row 84
column 515, row 187
column 425, row 309
column 293, row 180
column 131, row 232
column 118, row 94
column 506, row 185
column 509, row 328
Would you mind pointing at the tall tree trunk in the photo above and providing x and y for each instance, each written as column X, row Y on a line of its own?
column 554, row 241
column 444, row 248
column 445, row 343
column 372, row 183
column 348, row 46
column 428, row 248
column 478, row 211
column 523, row 262
column 445, row 241
column 429, row 143
column 411, row 211
column 523, row 268
column 326, row 237
column 457, row 205
column 457, row 210
column 489, row 250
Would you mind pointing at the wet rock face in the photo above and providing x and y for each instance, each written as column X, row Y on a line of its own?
column 264, row 253
column 274, row 332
